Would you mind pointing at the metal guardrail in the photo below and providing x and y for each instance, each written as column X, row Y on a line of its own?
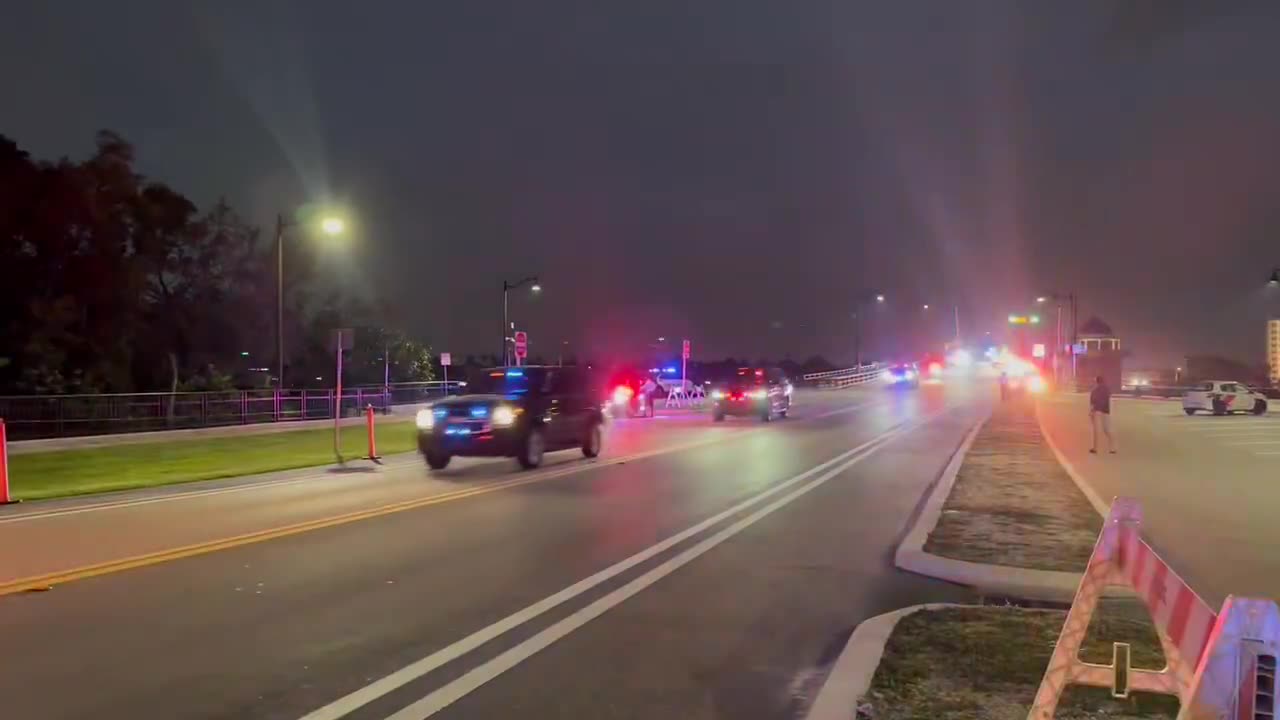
column 846, row 377
column 30, row 417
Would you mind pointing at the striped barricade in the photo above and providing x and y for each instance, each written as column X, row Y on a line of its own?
column 1219, row 666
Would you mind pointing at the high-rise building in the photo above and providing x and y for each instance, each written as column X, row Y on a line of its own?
column 1273, row 350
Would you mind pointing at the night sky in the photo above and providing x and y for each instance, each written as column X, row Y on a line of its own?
column 735, row 172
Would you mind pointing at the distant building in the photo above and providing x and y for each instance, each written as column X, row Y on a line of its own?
column 1214, row 367
column 1102, row 354
column 1273, row 351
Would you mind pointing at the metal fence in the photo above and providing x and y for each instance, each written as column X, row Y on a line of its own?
column 845, row 377
column 44, row 416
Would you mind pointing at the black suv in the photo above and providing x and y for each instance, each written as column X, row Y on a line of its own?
column 519, row 412
column 758, row 392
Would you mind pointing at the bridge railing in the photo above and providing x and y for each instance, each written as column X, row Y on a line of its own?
column 46, row 416
column 845, row 377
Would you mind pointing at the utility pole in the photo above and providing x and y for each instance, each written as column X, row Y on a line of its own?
column 280, row 226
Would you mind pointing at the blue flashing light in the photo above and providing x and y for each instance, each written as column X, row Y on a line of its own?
column 440, row 412
column 515, row 373
column 479, row 411
column 669, row 370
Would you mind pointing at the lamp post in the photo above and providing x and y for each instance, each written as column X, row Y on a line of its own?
column 858, row 303
column 506, row 326
column 955, row 316
column 329, row 225
column 1070, row 297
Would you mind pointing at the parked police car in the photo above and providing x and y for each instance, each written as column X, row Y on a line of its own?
column 1221, row 397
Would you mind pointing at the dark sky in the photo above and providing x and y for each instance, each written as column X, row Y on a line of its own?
column 730, row 171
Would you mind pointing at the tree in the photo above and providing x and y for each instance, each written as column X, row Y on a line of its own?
column 379, row 350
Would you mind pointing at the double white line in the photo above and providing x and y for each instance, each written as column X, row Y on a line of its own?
column 784, row 493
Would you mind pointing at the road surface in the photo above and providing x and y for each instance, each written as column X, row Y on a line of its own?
column 1209, row 486
column 698, row 570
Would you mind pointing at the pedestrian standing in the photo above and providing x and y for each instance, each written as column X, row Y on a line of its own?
column 1100, row 415
column 1004, row 386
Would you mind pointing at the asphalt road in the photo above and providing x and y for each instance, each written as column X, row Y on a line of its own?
column 1209, row 486
column 698, row 571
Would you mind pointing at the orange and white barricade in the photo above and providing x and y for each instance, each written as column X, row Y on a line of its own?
column 1219, row 667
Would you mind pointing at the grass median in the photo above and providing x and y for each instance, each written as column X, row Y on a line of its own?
column 967, row 663
column 1012, row 503
column 60, row 473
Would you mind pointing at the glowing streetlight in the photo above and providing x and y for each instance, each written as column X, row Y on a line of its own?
column 333, row 226
column 330, row 225
column 1042, row 299
column 879, row 298
column 926, row 306
column 534, row 286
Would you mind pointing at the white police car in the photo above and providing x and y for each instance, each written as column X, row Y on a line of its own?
column 1221, row 397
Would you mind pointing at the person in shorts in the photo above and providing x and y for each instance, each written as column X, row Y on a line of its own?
column 1100, row 415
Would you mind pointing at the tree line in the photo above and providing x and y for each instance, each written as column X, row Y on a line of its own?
column 114, row 282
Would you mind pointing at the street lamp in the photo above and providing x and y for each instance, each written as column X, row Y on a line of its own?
column 1070, row 298
column 532, row 281
column 926, row 306
column 330, row 225
column 858, row 303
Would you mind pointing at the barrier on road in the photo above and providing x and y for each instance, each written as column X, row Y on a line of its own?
column 1203, row 650
column 373, row 442
column 680, row 396
column 5, row 498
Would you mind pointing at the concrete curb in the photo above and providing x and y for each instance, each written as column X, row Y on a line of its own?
column 1043, row 585
column 1085, row 488
column 851, row 675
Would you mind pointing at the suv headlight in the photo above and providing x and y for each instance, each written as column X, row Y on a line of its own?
column 504, row 416
column 425, row 419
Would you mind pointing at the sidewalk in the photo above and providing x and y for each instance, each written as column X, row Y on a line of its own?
column 1208, row 486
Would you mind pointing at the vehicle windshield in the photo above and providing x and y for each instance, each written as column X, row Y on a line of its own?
column 505, row 381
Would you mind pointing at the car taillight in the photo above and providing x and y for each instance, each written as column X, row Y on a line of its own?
column 623, row 394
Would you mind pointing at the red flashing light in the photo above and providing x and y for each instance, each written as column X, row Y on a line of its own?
column 759, row 373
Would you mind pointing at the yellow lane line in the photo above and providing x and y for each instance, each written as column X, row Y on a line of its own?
column 43, row 582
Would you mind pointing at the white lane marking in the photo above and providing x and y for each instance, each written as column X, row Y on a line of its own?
column 359, row 698
column 397, row 463
column 1255, row 442
column 1266, row 452
column 472, row 680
